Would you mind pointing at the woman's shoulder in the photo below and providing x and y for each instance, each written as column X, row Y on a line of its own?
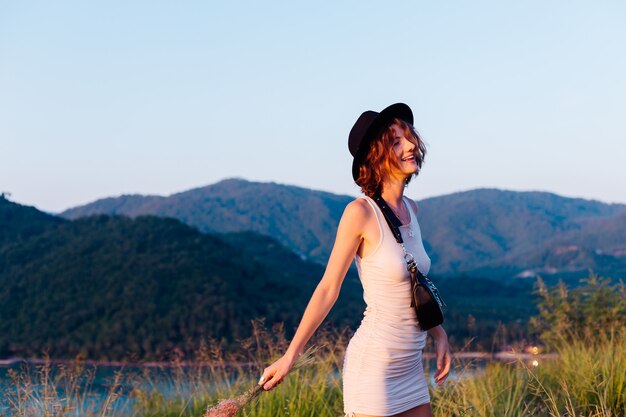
column 358, row 209
column 359, row 205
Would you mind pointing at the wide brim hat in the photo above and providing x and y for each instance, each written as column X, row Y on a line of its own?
column 368, row 126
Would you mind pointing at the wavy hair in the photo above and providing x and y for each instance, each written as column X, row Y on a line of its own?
column 380, row 159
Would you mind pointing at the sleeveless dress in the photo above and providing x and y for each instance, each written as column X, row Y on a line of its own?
column 382, row 369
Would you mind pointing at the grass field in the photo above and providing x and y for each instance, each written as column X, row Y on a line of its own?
column 586, row 379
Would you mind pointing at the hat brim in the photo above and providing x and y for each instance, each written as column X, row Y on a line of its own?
column 385, row 118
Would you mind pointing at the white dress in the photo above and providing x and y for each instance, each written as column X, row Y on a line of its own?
column 382, row 370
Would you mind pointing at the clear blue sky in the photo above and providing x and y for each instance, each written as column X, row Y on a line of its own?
column 101, row 98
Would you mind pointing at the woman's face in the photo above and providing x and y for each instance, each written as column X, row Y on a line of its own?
column 404, row 152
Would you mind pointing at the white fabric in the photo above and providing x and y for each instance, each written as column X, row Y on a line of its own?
column 382, row 369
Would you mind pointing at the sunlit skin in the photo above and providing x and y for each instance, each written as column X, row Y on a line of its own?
column 358, row 232
column 404, row 151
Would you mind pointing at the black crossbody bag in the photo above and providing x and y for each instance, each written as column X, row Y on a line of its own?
column 425, row 298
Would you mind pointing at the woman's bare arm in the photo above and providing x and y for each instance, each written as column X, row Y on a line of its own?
column 347, row 241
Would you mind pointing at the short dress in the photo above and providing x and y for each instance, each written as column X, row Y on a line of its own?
column 382, row 369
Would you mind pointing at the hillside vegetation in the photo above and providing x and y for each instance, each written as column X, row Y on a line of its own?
column 483, row 232
column 113, row 287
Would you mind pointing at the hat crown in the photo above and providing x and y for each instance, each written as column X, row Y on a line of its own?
column 357, row 133
column 368, row 126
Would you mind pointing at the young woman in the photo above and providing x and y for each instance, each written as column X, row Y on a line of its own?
column 382, row 370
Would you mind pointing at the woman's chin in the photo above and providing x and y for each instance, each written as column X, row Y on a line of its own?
column 412, row 171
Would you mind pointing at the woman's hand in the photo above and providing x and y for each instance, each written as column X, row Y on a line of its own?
column 444, row 358
column 274, row 374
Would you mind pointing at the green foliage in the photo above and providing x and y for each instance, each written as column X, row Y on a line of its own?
column 303, row 220
column 586, row 379
column 586, row 328
column 108, row 288
column 19, row 222
column 496, row 391
column 485, row 314
column 595, row 310
column 485, row 232
column 113, row 288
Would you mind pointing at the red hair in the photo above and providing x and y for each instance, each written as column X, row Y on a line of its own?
column 380, row 159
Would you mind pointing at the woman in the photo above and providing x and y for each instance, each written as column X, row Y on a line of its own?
column 382, row 370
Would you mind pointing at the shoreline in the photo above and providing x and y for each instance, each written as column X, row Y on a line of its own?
column 500, row 356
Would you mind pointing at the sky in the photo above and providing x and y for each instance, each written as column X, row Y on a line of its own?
column 100, row 99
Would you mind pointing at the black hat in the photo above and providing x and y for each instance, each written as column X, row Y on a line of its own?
column 368, row 126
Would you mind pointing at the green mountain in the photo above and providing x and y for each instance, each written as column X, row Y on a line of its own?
column 115, row 287
column 489, row 232
column 19, row 222
column 485, row 232
column 301, row 219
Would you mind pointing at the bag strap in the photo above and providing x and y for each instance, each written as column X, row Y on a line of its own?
column 394, row 224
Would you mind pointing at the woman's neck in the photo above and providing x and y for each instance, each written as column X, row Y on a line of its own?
column 392, row 192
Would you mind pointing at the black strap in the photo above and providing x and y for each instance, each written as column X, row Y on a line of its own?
column 393, row 222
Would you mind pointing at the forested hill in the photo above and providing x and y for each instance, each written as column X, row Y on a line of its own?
column 487, row 232
column 499, row 233
column 303, row 220
column 19, row 222
column 115, row 287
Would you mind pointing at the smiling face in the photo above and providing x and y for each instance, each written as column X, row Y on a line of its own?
column 397, row 153
column 404, row 163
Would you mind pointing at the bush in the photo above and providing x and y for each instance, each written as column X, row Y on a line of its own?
column 594, row 311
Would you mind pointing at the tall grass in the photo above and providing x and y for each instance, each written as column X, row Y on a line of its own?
column 586, row 379
column 61, row 390
column 180, row 389
column 586, row 327
column 498, row 390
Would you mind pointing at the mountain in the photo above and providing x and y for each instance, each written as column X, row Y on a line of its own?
column 489, row 232
column 301, row 219
column 113, row 287
column 498, row 232
column 19, row 222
